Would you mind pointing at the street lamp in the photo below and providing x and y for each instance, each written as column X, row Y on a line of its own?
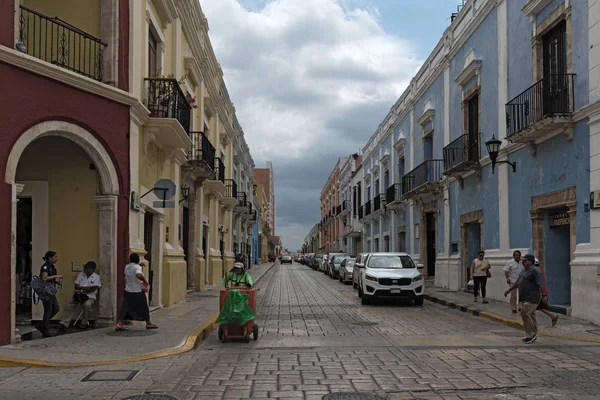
column 493, row 147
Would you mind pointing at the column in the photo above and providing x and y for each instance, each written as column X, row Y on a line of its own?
column 107, row 260
column 109, row 33
column 176, row 212
column 192, row 223
column 502, row 169
column 214, row 217
column 17, row 188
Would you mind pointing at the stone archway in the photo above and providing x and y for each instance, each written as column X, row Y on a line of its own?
column 539, row 205
column 106, row 202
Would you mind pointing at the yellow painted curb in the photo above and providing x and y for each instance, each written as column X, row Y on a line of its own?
column 505, row 321
column 193, row 338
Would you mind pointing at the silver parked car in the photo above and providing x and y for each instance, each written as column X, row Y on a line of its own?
column 358, row 264
column 347, row 269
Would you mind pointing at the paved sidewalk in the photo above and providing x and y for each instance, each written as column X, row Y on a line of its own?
column 567, row 327
column 180, row 326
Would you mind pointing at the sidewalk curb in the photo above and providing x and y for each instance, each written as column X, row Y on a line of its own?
column 194, row 338
column 497, row 318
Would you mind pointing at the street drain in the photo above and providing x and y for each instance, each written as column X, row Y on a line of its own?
column 110, row 376
column 151, row 397
column 365, row 323
column 351, row 396
column 132, row 333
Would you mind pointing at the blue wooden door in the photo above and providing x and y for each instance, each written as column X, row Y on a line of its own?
column 558, row 269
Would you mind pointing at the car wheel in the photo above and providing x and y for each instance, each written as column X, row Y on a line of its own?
column 365, row 300
column 341, row 279
column 360, row 293
column 354, row 285
column 419, row 301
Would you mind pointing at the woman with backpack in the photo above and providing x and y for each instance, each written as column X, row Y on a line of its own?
column 50, row 277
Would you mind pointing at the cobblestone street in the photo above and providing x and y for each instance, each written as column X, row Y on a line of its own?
column 316, row 338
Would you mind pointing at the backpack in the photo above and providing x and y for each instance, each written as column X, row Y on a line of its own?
column 43, row 289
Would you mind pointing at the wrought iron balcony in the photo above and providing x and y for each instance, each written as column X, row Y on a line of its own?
column 394, row 194
column 345, row 208
column 361, row 212
column 202, row 152
column 367, row 208
column 242, row 199
column 551, row 99
column 165, row 99
column 462, row 153
column 338, row 210
column 220, row 169
column 428, row 172
column 57, row 42
column 378, row 202
column 231, row 190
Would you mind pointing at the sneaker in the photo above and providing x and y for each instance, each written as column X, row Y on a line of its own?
column 514, row 311
column 62, row 328
column 475, row 300
column 485, row 301
column 530, row 340
column 554, row 320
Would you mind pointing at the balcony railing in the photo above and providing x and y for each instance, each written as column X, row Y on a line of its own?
column 378, row 202
column 429, row 171
column 361, row 212
column 59, row 43
column 166, row 100
column 394, row 194
column 242, row 199
column 551, row 96
column 338, row 210
column 463, row 151
column 202, row 150
column 254, row 216
column 220, row 169
column 368, row 208
column 231, row 188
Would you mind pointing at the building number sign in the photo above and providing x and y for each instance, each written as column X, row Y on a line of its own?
column 559, row 219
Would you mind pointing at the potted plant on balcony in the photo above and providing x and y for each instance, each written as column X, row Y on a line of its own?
column 163, row 97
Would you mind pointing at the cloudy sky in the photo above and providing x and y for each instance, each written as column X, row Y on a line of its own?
column 312, row 79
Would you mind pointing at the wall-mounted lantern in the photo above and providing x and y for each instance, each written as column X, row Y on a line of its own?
column 493, row 147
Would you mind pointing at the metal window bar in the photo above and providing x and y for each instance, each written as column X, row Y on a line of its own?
column 338, row 210
column 60, row 43
column 165, row 99
column 464, row 149
column 361, row 212
column 394, row 193
column 201, row 150
column 220, row 169
column 231, row 186
column 552, row 95
column 377, row 202
column 367, row 208
column 429, row 171
column 242, row 199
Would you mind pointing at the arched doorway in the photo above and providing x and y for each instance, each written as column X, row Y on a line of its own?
column 68, row 185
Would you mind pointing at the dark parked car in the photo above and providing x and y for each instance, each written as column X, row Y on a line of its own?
column 333, row 266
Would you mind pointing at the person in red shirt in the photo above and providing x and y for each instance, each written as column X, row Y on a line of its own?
column 543, row 307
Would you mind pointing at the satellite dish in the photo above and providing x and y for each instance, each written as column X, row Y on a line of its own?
column 165, row 189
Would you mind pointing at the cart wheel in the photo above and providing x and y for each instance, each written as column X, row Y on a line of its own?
column 255, row 332
column 247, row 339
column 220, row 332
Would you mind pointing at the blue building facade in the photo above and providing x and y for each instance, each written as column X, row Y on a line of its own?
column 519, row 72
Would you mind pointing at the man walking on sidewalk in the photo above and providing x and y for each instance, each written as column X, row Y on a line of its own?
column 531, row 287
column 512, row 270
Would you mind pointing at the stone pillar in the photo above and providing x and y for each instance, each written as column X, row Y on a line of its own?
column 109, row 33
column 17, row 188
column 191, row 245
column 107, row 259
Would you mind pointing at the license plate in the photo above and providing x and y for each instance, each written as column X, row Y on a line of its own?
column 395, row 291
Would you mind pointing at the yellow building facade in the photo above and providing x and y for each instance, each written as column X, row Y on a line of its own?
column 182, row 195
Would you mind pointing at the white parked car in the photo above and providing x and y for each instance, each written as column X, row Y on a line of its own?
column 390, row 275
column 359, row 263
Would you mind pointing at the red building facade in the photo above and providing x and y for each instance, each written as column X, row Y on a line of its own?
column 65, row 133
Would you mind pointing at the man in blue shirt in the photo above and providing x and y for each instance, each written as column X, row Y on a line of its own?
column 531, row 293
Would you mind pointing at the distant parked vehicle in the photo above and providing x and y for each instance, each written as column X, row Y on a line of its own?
column 359, row 263
column 324, row 263
column 346, row 270
column 286, row 259
column 335, row 259
column 316, row 261
column 391, row 275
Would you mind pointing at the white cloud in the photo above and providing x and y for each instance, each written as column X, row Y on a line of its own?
column 296, row 71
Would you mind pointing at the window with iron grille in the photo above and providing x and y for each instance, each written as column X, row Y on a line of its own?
column 152, row 54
